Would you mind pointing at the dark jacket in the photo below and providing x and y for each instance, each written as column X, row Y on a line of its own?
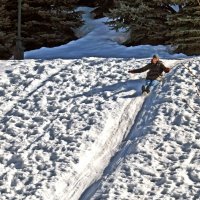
column 155, row 70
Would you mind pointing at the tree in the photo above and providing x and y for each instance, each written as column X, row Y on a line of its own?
column 185, row 28
column 44, row 23
column 7, row 27
column 103, row 7
column 146, row 20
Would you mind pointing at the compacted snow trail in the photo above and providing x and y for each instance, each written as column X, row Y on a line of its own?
column 123, row 150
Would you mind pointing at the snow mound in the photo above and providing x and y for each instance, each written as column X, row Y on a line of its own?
column 61, row 122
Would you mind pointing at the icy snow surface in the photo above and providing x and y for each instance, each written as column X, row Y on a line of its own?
column 99, row 41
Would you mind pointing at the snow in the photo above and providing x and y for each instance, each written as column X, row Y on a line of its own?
column 176, row 7
column 79, row 128
column 63, row 120
column 100, row 41
column 161, row 159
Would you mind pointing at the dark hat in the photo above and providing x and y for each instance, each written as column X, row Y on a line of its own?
column 156, row 56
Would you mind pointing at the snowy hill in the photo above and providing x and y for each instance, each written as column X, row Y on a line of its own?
column 160, row 158
column 63, row 120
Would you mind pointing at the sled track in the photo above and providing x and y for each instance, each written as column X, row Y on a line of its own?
column 92, row 170
column 123, row 150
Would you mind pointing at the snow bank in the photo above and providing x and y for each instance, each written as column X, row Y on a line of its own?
column 162, row 160
column 98, row 40
column 61, row 122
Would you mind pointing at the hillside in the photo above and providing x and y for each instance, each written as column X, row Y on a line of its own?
column 62, row 120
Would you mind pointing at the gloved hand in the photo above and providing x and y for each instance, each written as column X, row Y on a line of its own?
column 167, row 70
column 130, row 71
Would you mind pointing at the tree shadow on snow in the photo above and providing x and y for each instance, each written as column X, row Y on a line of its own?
column 117, row 88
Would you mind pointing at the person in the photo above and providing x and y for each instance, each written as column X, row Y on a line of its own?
column 155, row 70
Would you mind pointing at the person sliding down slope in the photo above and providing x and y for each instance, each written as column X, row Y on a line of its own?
column 156, row 68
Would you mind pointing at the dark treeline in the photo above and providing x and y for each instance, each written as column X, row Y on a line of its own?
column 52, row 22
column 44, row 23
column 174, row 22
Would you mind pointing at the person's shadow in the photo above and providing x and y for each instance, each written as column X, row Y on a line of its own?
column 117, row 88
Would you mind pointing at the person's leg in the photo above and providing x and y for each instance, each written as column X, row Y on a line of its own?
column 144, row 87
column 148, row 85
column 151, row 83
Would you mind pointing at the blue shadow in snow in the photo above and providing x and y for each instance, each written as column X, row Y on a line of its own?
column 116, row 88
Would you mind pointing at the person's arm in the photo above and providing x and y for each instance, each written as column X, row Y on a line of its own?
column 143, row 69
column 165, row 69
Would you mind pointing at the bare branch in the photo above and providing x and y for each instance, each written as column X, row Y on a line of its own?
column 196, row 112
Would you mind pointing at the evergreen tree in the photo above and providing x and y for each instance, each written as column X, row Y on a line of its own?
column 7, row 27
column 185, row 28
column 104, row 7
column 44, row 23
column 145, row 19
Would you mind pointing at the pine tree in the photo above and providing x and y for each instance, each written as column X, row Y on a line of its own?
column 7, row 27
column 185, row 28
column 44, row 23
column 146, row 20
column 104, row 6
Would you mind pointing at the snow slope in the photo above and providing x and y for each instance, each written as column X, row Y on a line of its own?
column 161, row 156
column 98, row 40
column 61, row 121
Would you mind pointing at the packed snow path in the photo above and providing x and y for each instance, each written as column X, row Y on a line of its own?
column 98, row 40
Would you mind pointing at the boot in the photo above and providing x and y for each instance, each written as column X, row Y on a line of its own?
column 143, row 89
column 147, row 89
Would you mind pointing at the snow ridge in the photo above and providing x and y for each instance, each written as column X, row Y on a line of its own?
column 112, row 135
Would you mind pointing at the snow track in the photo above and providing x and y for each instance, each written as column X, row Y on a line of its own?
column 133, row 107
column 106, row 146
